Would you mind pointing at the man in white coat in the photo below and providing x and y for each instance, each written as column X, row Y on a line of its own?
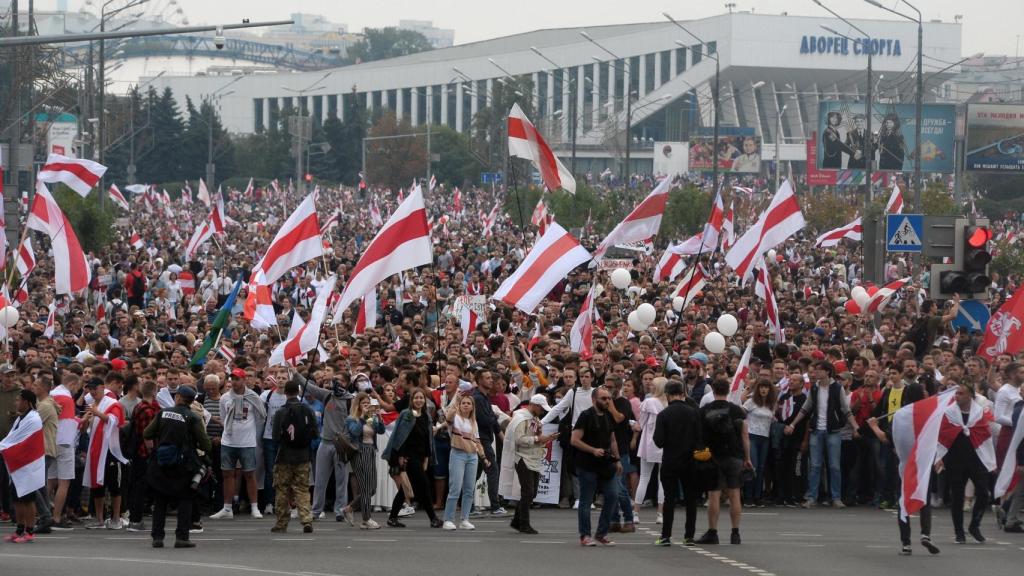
column 521, row 459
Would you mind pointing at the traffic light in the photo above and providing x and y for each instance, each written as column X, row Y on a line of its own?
column 309, row 177
column 968, row 274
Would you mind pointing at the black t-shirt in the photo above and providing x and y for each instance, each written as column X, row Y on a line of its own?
column 722, row 425
column 597, row 433
column 623, row 433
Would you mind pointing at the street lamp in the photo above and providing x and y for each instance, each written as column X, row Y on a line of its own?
column 211, row 168
column 918, row 99
column 868, row 144
column 715, row 95
column 628, row 75
column 574, row 88
column 299, row 131
column 778, row 142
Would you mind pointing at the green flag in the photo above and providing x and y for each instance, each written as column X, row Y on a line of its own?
column 219, row 322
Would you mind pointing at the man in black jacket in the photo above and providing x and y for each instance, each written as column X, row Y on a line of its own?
column 488, row 428
column 677, row 433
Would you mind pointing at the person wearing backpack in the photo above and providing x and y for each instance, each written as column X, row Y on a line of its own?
column 294, row 430
column 724, row 430
column 135, row 286
column 178, row 434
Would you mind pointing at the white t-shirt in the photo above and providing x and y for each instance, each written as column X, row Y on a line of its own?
column 241, row 431
column 464, row 427
column 277, row 400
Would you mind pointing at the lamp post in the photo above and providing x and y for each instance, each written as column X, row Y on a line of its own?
column 299, row 132
column 211, row 168
column 869, row 145
column 778, row 139
column 715, row 97
column 918, row 99
column 573, row 87
column 627, row 73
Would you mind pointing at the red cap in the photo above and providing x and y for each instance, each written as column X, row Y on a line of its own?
column 818, row 355
column 840, row 366
column 118, row 365
column 238, row 373
column 651, row 361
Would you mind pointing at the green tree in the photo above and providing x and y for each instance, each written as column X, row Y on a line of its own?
column 395, row 162
column 389, row 42
column 347, row 142
column 825, row 211
column 937, row 201
column 459, row 164
column 92, row 224
column 163, row 161
column 489, row 124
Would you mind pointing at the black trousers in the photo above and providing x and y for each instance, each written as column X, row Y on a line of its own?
column 492, row 474
column 528, row 480
column 420, row 488
column 789, row 486
column 160, row 502
column 137, row 489
column 959, row 470
column 925, row 516
column 670, row 480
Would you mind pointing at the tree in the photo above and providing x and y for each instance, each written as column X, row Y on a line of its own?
column 390, row 42
column 347, row 140
column 92, row 224
column 458, row 164
column 489, row 124
column 395, row 162
column 824, row 212
column 163, row 161
column 937, row 201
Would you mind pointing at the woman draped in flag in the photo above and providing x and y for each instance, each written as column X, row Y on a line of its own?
column 23, row 455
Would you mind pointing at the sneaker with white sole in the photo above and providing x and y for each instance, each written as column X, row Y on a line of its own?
column 320, row 516
column 448, row 525
column 269, row 510
column 136, row 527
column 256, row 513
column 370, row 524
column 499, row 511
column 224, row 514
column 657, row 518
column 295, row 513
column 96, row 525
column 406, row 511
column 114, row 524
column 465, row 525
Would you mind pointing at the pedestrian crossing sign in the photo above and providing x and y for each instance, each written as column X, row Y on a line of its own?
column 904, row 232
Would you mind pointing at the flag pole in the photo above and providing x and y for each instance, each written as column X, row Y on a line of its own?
column 519, row 204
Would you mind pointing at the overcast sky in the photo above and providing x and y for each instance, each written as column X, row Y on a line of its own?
column 989, row 26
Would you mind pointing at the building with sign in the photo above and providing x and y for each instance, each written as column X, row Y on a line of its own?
column 775, row 69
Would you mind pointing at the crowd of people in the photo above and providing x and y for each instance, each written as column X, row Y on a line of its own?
column 412, row 418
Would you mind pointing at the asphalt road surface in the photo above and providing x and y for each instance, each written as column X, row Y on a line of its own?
column 782, row 542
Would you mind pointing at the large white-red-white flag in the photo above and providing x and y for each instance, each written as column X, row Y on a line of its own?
column 204, row 231
column 1005, row 331
column 895, row 203
column 469, row 321
column 550, row 261
column 71, row 268
column 259, row 306
column 525, row 141
column 915, row 437
column 118, row 197
column 24, row 454
column 581, row 335
column 367, row 317
column 79, row 174
column 297, row 242
column 204, row 193
column 26, row 261
column 642, row 223
column 691, row 284
column 403, row 243
column 879, row 299
column 852, row 231
column 307, row 336
column 669, row 266
column 738, row 379
column 104, row 441
column 763, row 288
column 781, row 220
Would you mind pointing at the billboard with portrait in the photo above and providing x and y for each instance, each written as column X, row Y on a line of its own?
column 995, row 138
column 843, row 143
column 670, row 158
column 734, row 154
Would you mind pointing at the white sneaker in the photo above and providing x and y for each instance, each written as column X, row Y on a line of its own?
column 224, row 514
column 499, row 511
column 321, row 516
column 256, row 513
column 657, row 518
column 370, row 524
column 269, row 510
column 636, row 517
column 113, row 524
column 576, row 505
column 465, row 525
column 448, row 525
column 406, row 511
column 295, row 513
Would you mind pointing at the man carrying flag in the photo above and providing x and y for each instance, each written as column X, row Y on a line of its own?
column 103, row 459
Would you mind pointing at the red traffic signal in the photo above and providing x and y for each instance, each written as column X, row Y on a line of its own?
column 309, row 177
column 978, row 236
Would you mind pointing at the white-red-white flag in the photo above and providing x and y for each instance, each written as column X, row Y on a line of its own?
column 977, row 429
column 669, row 266
column 375, row 217
column 581, row 335
column 79, row 174
column 729, row 229
column 204, row 193
column 781, row 220
column 367, row 317
column 297, row 242
column 852, row 231
column 763, row 288
column 307, row 337
column 136, row 241
column 469, row 321
column 249, row 189
column 742, row 370
column 432, row 184
column 540, row 211
column 1004, row 333
column 24, row 454
column 691, row 284
column 71, row 267
column 642, row 223
column 203, row 232
column 915, row 438
column 104, row 441
column 259, row 307
column 879, row 299
column 333, row 219
column 895, row 203
column 490, row 220
column 402, row 244
column 550, row 261
column 525, row 141
column 1008, row 476
column 50, row 322
column 227, row 351
column 118, row 197
column 457, row 201
column 26, row 262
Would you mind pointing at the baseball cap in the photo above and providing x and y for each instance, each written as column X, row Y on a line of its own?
column 186, row 392
column 117, row 365
column 700, row 357
column 818, row 355
column 6, row 369
column 238, row 373
column 465, row 387
column 540, row 400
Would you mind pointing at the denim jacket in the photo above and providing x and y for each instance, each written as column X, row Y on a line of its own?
column 354, row 427
column 403, row 426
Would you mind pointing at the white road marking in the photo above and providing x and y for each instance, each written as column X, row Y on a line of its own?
column 106, row 559
column 799, row 534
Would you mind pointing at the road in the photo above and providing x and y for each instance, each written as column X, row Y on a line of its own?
column 783, row 542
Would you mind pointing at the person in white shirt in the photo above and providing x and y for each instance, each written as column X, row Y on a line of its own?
column 273, row 398
column 243, row 415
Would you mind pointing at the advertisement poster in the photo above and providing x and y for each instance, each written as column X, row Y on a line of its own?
column 817, row 177
column 734, row 154
column 671, row 158
column 843, row 143
column 995, row 138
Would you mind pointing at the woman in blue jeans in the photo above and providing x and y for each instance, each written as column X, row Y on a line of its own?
column 466, row 453
column 760, row 409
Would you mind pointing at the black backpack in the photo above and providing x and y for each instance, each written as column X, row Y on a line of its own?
column 720, row 430
column 298, row 426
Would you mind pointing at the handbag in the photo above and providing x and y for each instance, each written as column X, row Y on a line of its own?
column 344, row 447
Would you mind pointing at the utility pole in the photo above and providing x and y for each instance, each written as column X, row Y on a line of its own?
column 12, row 192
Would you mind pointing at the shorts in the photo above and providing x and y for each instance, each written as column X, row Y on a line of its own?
column 233, row 456
column 51, row 468
column 112, row 480
column 730, row 473
column 65, row 462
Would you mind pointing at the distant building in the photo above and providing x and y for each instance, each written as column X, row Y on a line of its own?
column 438, row 37
column 986, row 79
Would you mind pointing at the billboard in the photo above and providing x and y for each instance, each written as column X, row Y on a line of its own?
column 995, row 138
column 734, row 153
column 61, row 130
column 816, row 177
column 843, row 145
column 671, row 158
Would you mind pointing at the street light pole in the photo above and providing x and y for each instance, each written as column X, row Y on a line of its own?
column 778, row 138
column 628, row 76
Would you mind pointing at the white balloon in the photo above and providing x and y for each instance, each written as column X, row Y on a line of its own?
column 857, row 290
column 677, row 303
column 771, row 255
column 647, row 313
column 621, row 278
column 714, row 343
column 634, row 322
column 9, row 316
column 727, row 324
